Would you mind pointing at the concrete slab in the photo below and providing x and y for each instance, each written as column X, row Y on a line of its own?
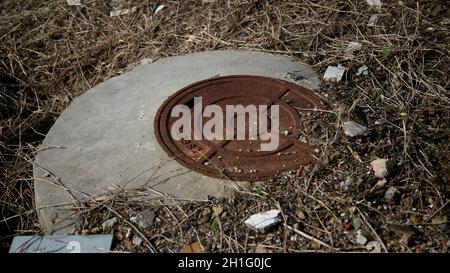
column 105, row 137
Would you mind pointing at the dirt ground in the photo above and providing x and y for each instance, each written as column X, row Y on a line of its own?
column 51, row 52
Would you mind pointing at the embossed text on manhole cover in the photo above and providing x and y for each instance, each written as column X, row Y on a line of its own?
column 238, row 153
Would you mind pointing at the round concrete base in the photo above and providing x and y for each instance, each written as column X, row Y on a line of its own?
column 105, row 137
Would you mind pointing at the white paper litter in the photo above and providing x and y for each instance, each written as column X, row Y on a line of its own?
column 263, row 220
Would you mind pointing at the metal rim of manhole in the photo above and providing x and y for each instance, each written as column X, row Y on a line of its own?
column 241, row 160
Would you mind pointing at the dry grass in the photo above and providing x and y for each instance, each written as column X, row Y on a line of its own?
column 50, row 53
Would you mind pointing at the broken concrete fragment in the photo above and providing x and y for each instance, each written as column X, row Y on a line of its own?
column 357, row 223
column 372, row 20
column 364, row 70
column 263, row 221
column 334, row 73
column 217, row 211
column 382, row 167
column 353, row 129
column 301, row 215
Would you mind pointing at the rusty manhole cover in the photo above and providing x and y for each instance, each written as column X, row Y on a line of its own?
column 240, row 160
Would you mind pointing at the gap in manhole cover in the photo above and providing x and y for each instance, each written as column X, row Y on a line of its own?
column 230, row 157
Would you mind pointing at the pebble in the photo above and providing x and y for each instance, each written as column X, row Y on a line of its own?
column 217, row 211
column 357, row 223
column 137, row 241
column 353, row 129
column 373, row 247
column 300, row 215
column 361, row 239
column 363, row 70
column 382, row 167
column 391, row 194
column 372, row 20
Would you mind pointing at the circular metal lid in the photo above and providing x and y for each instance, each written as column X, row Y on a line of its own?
column 241, row 160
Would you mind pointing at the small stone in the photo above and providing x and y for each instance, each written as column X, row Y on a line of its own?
column 391, row 194
column 361, row 239
column 382, row 167
column 372, row 20
column 373, row 247
column 334, row 73
column 353, row 129
column 263, row 221
column 357, row 223
column 108, row 224
column 137, row 241
column 144, row 219
column 217, row 211
column 300, row 215
column 363, row 70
